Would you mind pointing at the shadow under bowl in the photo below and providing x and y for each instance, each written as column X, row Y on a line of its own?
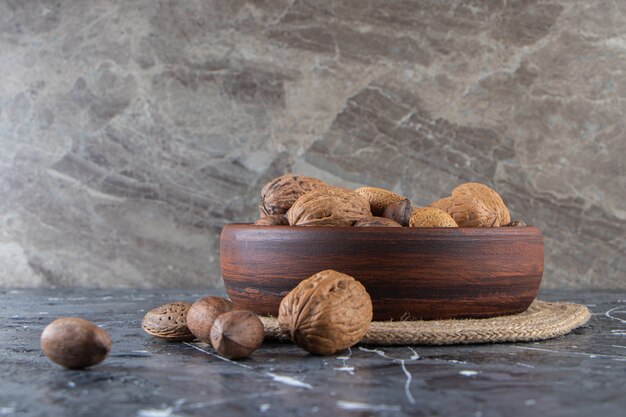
column 410, row 273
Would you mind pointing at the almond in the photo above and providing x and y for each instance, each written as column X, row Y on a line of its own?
column 168, row 322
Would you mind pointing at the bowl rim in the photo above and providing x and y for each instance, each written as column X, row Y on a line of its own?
column 391, row 230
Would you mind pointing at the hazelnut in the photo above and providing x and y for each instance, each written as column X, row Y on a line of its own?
column 379, row 198
column 75, row 343
column 431, row 217
column 278, row 195
column 237, row 334
column 203, row 313
column 326, row 313
column 329, row 206
column 400, row 212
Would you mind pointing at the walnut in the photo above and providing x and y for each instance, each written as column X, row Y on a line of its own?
column 278, row 195
column 379, row 198
column 399, row 212
column 431, row 217
column 273, row 220
column 476, row 205
column 326, row 313
column 376, row 222
column 329, row 206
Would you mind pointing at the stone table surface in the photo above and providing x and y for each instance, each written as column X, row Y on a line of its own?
column 581, row 374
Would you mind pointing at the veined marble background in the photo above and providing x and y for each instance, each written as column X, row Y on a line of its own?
column 131, row 131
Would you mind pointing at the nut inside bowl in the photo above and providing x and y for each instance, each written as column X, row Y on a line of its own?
column 416, row 273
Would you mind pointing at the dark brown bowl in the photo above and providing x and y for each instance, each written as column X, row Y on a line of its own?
column 418, row 273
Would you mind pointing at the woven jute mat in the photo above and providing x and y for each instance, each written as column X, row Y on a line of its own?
column 543, row 320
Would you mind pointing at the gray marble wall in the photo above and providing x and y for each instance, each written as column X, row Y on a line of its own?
column 131, row 131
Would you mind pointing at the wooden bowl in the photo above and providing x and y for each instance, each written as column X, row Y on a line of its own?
column 417, row 273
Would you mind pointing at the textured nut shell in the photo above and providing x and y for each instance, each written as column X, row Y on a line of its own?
column 168, row 322
column 431, row 217
column 278, row 195
column 476, row 205
column 329, row 206
column 75, row 343
column 203, row 313
column 326, row 313
column 273, row 220
column 237, row 334
column 399, row 212
column 379, row 198
column 443, row 204
column 376, row 222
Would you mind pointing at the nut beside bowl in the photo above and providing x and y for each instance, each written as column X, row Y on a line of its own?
column 410, row 273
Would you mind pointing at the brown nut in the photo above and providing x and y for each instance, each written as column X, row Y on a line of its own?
column 379, row 198
column 75, row 343
column 278, row 195
column 329, row 206
column 515, row 223
column 237, row 334
column 168, row 322
column 203, row 313
column 376, row 222
column 273, row 220
column 431, row 217
column 399, row 212
column 476, row 205
column 443, row 204
column 326, row 313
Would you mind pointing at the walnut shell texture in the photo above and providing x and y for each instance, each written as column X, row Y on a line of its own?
column 278, row 195
column 273, row 220
column 203, row 313
column 376, row 222
column 326, row 313
column 379, row 198
column 476, row 205
column 329, row 206
column 168, row 322
column 431, row 217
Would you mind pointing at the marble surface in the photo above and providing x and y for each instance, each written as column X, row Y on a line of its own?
column 130, row 132
column 580, row 374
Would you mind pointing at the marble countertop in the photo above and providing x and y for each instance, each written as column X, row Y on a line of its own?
column 581, row 374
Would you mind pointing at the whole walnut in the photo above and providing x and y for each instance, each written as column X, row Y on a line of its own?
column 328, row 206
column 476, row 205
column 278, row 195
column 379, row 198
column 326, row 313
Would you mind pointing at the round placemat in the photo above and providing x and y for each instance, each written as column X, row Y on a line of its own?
column 543, row 320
